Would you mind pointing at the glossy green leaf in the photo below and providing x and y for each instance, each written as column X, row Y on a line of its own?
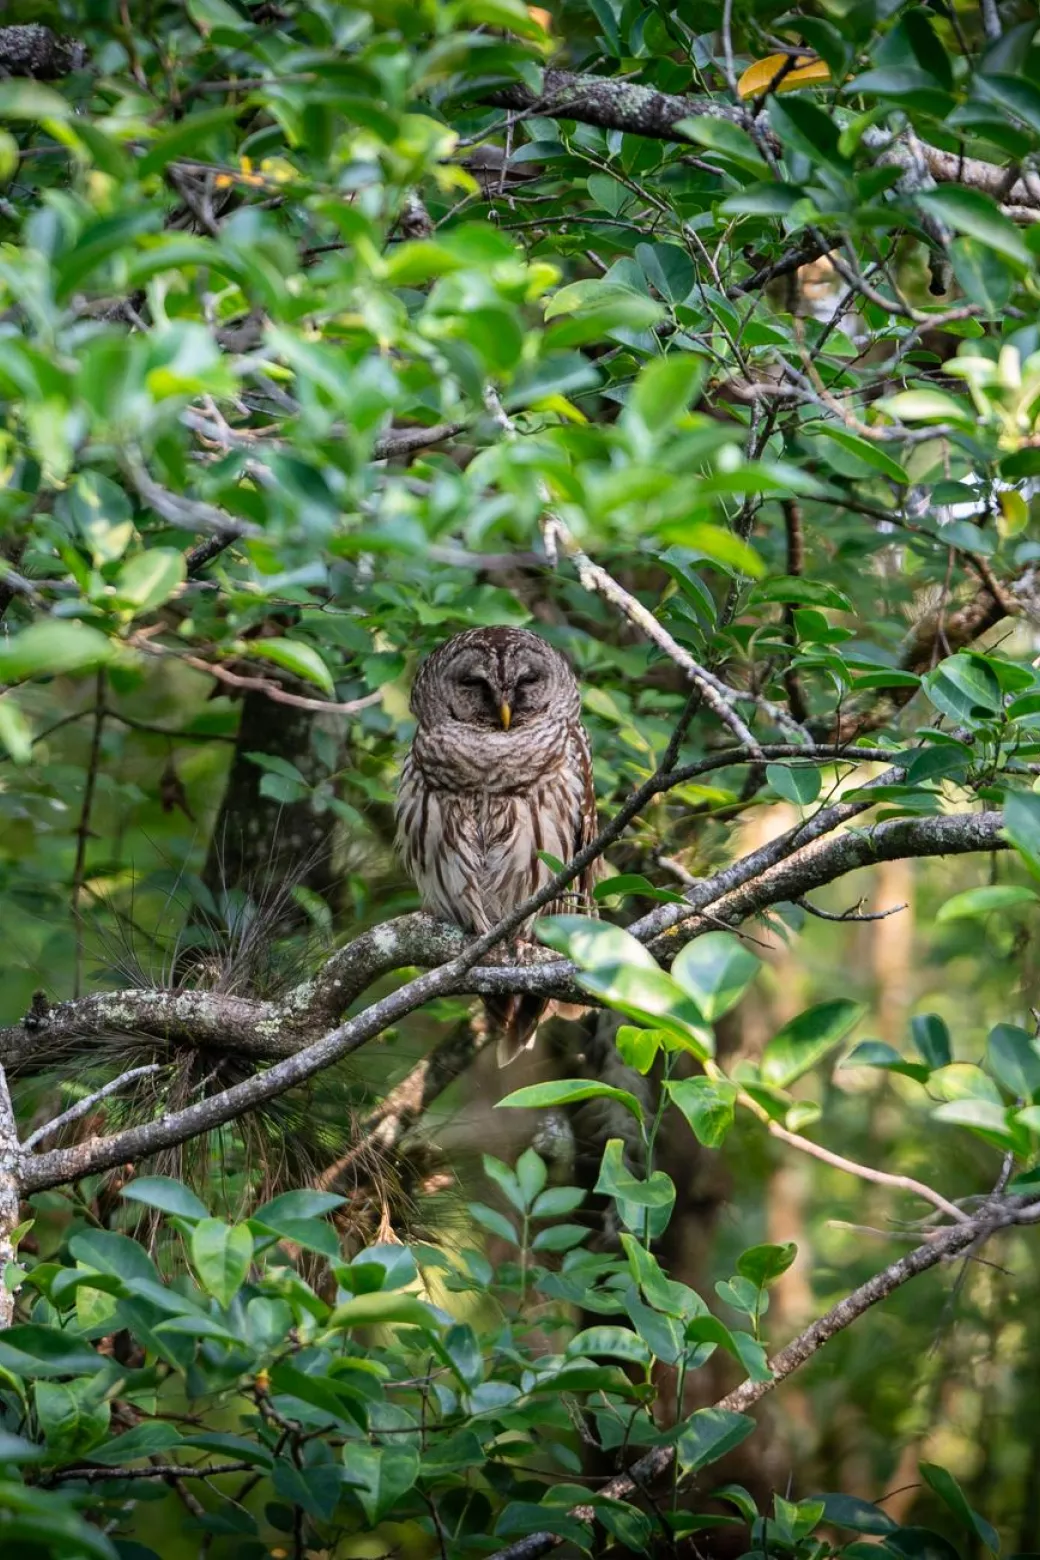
column 708, row 1105
column 708, row 1435
column 715, row 970
column 221, row 1254
column 985, row 900
column 807, row 1039
column 569, row 1091
column 166, row 1194
column 301, row 660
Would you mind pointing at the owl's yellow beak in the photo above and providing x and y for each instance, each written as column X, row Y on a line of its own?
column 505, row 715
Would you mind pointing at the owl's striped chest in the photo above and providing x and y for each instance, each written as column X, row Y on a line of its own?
column 475, row 854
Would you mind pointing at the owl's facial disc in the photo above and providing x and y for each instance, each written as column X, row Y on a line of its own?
column 499, row 696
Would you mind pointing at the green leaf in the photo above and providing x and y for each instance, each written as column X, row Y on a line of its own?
column 875, row 1053
column 166, row 1194
column 949, row 1491
column 306, row 1203
column 293, row 656
column 925, row 406
column 32, row 1350
column 638, row 1047
column 615, row 1180
column 664, row 390
column 144, row 1440
column 619, row 1343
column 965, row 688
column 1022, row 826
column 870, row 453
column 1014, row 1060
column 188, row 138
column 979, row 217
column 716, row 970
column 799, row 591
column 31, row 100
column 987, row 1120
column 796, row 783
column 569, row 1091
column 861, row 1516
column 708, row 1435
column 984, row 900
column 807, row 1039
column 708, row 1105
column 932, row 1039
column 73, row 1415
column 497, row 1223
column 383, row 1309
column 653, row 998
column 151, row 578
column 593, row 945
column 51, row 647
column 763, row 1265
column 531, row 1173
column 633, row 883
column 221, row 1254
column 718, row 135
column 380, row 1475
column 15, row 732
column 556, row 1201
column 716, row 544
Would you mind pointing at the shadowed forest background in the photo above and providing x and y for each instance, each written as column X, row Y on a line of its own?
column 708, row 346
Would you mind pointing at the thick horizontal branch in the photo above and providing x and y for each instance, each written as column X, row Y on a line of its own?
column 941, row 1247
column 824, row 861
column 817, row 862
column 613, row 104
column 271, row 1030
column 34, row 50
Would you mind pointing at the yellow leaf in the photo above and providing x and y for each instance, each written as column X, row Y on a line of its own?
column 1014, row 512
column 761, row 76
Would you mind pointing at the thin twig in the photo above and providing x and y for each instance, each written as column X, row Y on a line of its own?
column 852, row 914
column 82, row 1107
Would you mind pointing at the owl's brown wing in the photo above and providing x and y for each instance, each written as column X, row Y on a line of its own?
column 588, row 827
column 517, row 1017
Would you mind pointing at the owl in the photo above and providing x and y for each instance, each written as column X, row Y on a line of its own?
column 499, row 771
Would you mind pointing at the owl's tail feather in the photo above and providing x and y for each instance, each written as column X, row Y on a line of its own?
column 515, row 1020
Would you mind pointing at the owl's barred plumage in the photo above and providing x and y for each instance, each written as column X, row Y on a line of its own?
column 499, row 770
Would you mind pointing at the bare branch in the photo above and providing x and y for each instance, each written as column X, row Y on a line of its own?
column 716, row 694
column 269, row 1031
column 819, row 861
column 82, row 1107
column 854, row 912
column 905, row 1183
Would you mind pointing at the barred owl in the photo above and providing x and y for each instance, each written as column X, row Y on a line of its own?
column 499, row 770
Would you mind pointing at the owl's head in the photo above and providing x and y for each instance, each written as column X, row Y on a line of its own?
column 500, row 679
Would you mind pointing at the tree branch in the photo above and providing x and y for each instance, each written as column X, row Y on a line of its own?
column 941, row 1247
column 613, row 104
column 269, row 1030
column 819, row 861
column 34, row 50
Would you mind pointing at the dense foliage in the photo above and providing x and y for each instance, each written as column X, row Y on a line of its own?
column 707, row 341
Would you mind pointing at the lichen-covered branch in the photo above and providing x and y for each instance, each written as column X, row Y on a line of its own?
column 30, row 49
column 819, row 861
column 611, row 104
